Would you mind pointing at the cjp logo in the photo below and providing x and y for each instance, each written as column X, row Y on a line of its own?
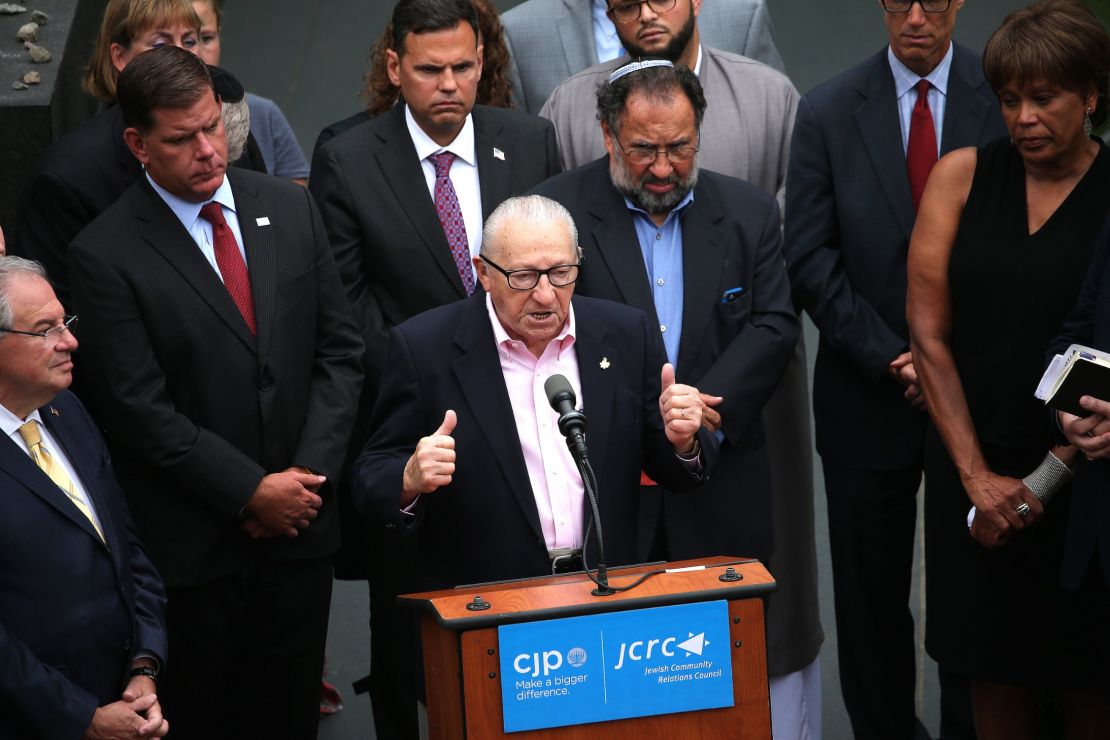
column 536, row 664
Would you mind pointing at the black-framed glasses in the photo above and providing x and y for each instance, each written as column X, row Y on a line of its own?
column 628, row 11
column 51, row 336
column 929, row 6
column 559, row 276
column 676, row 154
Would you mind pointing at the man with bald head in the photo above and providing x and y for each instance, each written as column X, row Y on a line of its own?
column 466, row 451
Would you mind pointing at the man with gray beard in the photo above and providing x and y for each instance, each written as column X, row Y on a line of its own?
column 700, row 253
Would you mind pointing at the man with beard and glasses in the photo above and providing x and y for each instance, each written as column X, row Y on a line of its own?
column 700, row 253
column 549, row 40
column 746, row 134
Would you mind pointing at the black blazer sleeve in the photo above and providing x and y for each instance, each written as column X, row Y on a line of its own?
column 336, row 202
column 847, row 321
column 750, row 366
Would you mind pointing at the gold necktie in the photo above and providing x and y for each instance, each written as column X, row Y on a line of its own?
column 42, row 458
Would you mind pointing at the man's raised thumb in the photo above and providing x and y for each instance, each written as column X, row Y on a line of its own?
column 448, row 425
column 667, row 377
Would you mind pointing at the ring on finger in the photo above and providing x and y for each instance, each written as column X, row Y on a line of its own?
column 1022, row 510
column 1090, row 433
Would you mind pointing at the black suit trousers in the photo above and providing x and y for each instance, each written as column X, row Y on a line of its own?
column 247, row 653
column 872, row 515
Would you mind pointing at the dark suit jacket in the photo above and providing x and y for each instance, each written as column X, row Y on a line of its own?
column 1089, row 517
column 73, row 612
column 197, row 409
column 389, row 246
column 849, row 217
column 485, row 525
column 738, row 350
column 86, row 171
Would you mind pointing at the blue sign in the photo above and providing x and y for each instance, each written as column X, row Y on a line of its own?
column 614, row 666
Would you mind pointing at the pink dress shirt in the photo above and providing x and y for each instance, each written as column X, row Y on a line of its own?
column 556, row 484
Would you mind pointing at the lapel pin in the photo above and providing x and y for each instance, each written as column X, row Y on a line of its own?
column 264, row 221
column 498, row 154
column 604, row 364
column 55, row 411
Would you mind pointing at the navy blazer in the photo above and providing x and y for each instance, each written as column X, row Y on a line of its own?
column 1089, row 518
column 738, row 349
column 849, row 217
column 73, row 611
column 485, row 525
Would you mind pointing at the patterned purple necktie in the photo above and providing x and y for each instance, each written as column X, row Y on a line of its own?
column 450, row 217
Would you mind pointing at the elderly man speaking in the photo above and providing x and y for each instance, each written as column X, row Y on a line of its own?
column 491, row 492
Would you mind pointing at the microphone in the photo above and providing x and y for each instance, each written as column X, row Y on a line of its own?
column 572, row 424
column 560, row 395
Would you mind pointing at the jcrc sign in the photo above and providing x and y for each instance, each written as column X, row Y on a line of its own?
column 615, row 666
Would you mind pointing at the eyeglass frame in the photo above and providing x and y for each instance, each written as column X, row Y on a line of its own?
column 56, row 331
column 611, row 10
column 539, row 273
column 656, row 151
column 909, row 7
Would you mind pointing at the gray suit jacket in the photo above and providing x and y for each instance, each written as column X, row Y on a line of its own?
column 549, row 40
column 745, row 134
column 848, row 223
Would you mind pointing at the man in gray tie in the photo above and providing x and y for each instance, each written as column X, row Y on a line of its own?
column 549, row 40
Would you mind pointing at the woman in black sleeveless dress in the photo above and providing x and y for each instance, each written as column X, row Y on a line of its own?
column 1001, row 246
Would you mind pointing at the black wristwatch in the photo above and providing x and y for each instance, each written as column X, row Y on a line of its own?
column 145, row 670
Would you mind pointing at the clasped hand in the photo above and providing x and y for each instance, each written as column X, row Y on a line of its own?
column 996, row 499
column 283, row 503
column 1090, row 434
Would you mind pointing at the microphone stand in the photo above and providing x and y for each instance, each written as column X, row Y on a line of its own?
column 576, row 443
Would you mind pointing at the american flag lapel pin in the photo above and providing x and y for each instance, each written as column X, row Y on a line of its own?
column 498, row 154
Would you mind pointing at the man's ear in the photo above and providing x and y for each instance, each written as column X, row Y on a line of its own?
column 482, row 272
column 610, row 138
column 481, row 52
column 393, row 67
column 137, row 144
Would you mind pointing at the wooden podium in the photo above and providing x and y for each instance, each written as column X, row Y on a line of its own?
column 462, row 665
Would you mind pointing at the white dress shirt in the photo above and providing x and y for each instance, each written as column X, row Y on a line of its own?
column 464, row 175
column 11, row 423
column 905, row 89
column 201, row 231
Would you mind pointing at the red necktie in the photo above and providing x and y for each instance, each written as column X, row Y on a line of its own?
column 230, row 261
column 921, row 154
column 450, row 217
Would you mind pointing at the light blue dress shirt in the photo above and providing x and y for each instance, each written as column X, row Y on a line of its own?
column 905, row 84
column 199, row 229
column 661, row 247
column 606, row 42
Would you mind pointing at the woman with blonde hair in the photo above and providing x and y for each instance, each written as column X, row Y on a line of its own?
column 89, row 168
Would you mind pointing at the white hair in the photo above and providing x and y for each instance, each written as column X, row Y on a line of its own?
column 237, row 125
column 10, row 266
column 534, row 211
